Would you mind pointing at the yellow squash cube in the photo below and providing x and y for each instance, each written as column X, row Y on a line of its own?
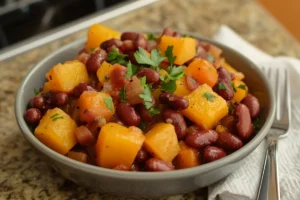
column 241, row 91
column 56, row 130
column 104, row 71
column 181, row 87
column 65, row 77
column 161, row 141
column 206, row 107
column 118, row 145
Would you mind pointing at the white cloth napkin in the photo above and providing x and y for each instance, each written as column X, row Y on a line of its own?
column 243, row 183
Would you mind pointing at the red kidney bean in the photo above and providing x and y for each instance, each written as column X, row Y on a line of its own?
column 33, row 116
column 131, row 57
column 84, row 136
column 168, row 32
column 117, row 77
column 121, row 167
column 61, row 98
column 135, row 167
column 112, row 48
column 224, row 87
column 127, row 46
column 252, row 104
column 146, row 117
column 244, row 125
column 80, row 88
column 142, row 156
column 95, row 60
column 174, row 101
column 176, row 119
column 152, row 76
column 140, row 41
column 128, row 114
column 129, row 36
column 155, row 165
column 229, row 141
column 83, row 57
column 228, row 122
column 211, row 153
column 108, row 43
column 224, row 75
column 38, row 102
column 201, row 139
column 192, row 84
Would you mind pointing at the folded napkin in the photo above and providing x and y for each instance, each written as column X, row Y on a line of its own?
column 243, row 183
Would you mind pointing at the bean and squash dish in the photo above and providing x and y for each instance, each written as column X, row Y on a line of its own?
column 144, row 102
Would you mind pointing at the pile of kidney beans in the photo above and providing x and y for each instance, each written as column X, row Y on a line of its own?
column 210, row 144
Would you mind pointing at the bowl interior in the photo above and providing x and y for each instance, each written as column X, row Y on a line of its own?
column 35, row 79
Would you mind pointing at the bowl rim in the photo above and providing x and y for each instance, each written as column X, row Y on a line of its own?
column 96, row 170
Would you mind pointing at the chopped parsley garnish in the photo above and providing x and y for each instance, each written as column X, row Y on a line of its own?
column 91, row 50
column 153, row 111
column 150, row 36
column 243, row 87
column 169, row 54
column 175, row 73
column 210, row 97
column 56, row 117
column 142, row 57
column 106, row 78
column 142, row 125
column 257, row 123
column 115, row 57
column 36, row 91
column 209, row 57
column 109, row 103
column 231, row 107
column 147, row 97
column 131, row 70
column 169, row 86
column 123, row 95
column 221, row 86
column 185, row 35
column 232, row 84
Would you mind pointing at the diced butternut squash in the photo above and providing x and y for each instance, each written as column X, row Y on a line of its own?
column 56, row 130
column 203, row 72
column 187, row 157
column 181, row 87
column 94, row 104
column 104, row 71
column 206, row 107
column 161, row 141
column 241, row 91
column 118, row 145
column 97, row 34
column 65, row 77
column 183, row 48
column 230, row 69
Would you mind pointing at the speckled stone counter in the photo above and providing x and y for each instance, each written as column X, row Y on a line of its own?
column 25, row 175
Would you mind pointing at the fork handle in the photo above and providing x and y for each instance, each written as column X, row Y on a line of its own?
column 269, row 183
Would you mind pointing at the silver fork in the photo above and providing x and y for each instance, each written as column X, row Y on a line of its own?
column 269, row 183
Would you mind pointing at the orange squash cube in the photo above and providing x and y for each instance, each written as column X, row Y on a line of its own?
column 187, row 157
column 94, row 104
column 237, row 75
column 56, row 130
column 183, row 48
column 206, row 107
column 118, row 145
column 181, row 87
column 241, row 91
column 104, row 71
column 97, row 34
column 65, row 77
column 161, row 141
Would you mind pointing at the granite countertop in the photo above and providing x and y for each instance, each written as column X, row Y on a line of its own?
column 25, row 175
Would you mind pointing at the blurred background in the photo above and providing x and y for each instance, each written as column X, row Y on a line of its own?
column 22, row 19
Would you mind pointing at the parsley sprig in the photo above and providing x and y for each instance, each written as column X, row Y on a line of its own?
column 243, row 87
column 131, row 70
column 221, row 86
column 109, row 103
column 55, row 117
column 116, row 57
column 147, row 97
column 123, row 95
column 154, row 60
column 209, row 96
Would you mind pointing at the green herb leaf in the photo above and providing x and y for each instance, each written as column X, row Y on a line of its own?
column 243, row 87
column 123, row 95
column 109, row 103
column 143, row 81
column 234, row 89
column 175, row 73
column 169, row 54
column 153, row 111
column 53, row 116
column 56, row 118
column 150, row 36
column 256, row 123
column 221, row 86
column 115, row 57
column 106, row 78
column 142, row 57
column 147, row 96
column 209, row 57
column 91, row 50
column 169, row 86
column 210, row 97
column 36, row 91
column 131, row 70
column 231, row 107
column 142, row 125
column 185, row 35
